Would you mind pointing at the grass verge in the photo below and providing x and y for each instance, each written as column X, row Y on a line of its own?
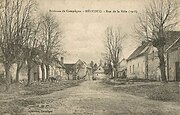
column 20, row 97
column 153, row 90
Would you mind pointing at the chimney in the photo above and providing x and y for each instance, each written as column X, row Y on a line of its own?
column 62, row 60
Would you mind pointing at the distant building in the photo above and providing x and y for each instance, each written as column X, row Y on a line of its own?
column 78, row 70
column 99, row 73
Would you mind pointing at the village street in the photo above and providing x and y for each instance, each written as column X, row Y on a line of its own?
column 94, row 98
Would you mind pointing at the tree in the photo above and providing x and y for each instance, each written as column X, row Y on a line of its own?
column 158, row 18
column 100, row 62
column 51, row 41
column 13, row 17
column 113, row 44
column 92, row 66
column 31, row 47
column 95, row 67
column 22, row 16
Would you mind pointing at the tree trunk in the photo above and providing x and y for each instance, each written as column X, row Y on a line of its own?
column 29, row 72
column 47, row 71
column 115, row 71
column 68, row 76
column 162, row 63
column 8, row 76
column 43, row 72
column 29, row 76
column 19, row 66
column 17, row 74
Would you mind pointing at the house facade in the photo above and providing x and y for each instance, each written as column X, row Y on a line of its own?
column 99, row 73
column 173, row 57
column 78, row 70
column 57, row 69
column 136, row 63
column 82, row 70
column 143, row 63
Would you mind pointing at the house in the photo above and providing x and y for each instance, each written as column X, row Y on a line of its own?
column 173, row 63
column 57, row 69
column 78, row 70
column 122, row 68
column 82, row 70
column 143, row 63
column 99, row 73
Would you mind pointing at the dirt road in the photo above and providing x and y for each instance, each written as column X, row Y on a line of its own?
column 93, row 98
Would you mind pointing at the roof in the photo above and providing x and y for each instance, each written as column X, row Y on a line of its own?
column 99, row 69
column 122, row 60
column 139, row 51
column 173, row 44
column 68, row 66
column 171, row 37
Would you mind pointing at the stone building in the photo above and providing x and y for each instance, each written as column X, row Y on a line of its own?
column 143, row 63
column 173, row 57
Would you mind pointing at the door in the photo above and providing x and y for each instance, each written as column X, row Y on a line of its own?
column 177, row 71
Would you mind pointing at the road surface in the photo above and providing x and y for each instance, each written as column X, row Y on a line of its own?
column 93, row 98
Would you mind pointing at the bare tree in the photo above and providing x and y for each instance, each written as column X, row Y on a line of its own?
column 51, row 42
column 158, row 18
column 31, row 47
column 13, row 17
column 113, row 45
column 23, row 16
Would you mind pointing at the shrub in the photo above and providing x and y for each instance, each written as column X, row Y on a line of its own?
column 164, row 92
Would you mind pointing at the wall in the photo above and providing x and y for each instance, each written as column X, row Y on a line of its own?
column 139, row 67
column 82, row 72
column 174, row 56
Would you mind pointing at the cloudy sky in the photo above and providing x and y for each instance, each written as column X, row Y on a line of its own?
column 84, row 33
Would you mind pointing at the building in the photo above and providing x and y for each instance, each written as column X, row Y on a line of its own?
column 173, row 57
column 99, row 73
column 57, row 69
column 143, row 63
column 78, row 70
column 82, row 70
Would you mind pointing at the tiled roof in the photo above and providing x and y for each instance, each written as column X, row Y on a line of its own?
column 138, row 51
column 171, row 37
column 69, row 66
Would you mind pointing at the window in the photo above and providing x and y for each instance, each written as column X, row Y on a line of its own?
column 133, row 68
column 138, row 64
column 130, row 69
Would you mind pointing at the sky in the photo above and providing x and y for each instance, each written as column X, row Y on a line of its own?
column 84, row 33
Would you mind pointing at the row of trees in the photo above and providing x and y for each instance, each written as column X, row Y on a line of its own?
column 158, row 17
column 27, row 36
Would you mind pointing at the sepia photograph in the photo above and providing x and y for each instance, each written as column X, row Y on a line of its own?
column 96, row 57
